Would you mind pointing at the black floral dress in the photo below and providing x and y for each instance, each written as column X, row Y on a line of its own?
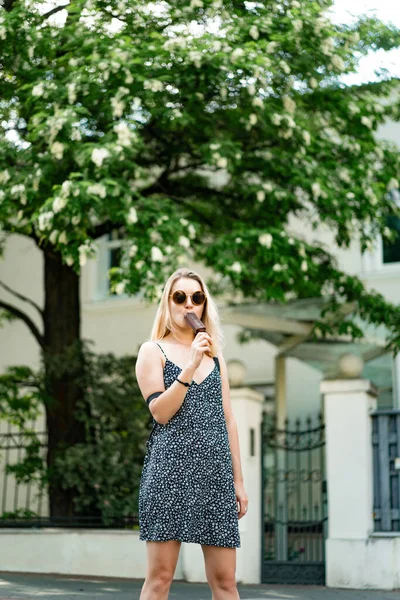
column 187, row 491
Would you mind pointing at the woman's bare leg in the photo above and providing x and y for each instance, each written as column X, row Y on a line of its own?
column 162, row 558
column 220, row 567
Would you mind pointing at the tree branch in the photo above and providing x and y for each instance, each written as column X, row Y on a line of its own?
column 27, row 320
column 23, row 298
column 54, row 10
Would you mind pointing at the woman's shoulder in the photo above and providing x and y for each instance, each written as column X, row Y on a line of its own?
column 149, row 347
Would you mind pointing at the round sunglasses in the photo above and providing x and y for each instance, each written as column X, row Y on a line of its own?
column 179, row 297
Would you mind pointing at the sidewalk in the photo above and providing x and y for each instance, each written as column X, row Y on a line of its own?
column 54, row 587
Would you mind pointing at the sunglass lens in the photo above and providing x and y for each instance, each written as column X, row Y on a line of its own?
column 198, row 298
column 179, row 297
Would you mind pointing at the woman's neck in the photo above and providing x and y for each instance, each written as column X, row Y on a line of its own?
column 182, row 339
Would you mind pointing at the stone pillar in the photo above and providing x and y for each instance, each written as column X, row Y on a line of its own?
column 247, row 409
column 349, row 470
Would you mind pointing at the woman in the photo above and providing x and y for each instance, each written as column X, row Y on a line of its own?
column 191, row 488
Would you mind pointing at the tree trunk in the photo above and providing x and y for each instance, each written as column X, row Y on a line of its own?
column 64, row 365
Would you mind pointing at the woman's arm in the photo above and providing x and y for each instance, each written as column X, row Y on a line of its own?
column 231, row 426
column 150, row 377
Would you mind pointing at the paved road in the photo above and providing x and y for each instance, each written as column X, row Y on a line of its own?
column 52, row 587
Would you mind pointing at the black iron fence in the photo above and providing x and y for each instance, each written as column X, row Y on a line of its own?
column 24, row 500
column 386, row 465
column 294, row 502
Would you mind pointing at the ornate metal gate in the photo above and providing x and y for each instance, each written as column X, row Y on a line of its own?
column 294, row 502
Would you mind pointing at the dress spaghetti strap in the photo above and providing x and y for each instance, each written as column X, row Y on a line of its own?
column 161, row 349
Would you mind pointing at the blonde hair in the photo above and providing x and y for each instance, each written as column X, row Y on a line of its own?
column 163, row 324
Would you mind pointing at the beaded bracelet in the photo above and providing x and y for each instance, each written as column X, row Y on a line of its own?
column 183, row 382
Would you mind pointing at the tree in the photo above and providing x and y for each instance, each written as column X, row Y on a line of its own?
column 196, row 128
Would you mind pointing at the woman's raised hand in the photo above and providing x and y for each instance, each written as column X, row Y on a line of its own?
column 201, row 344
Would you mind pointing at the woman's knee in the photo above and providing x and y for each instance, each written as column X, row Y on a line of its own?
column 224, row 581
column 161, row 579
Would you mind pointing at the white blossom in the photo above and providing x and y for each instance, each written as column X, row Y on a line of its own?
column 327, row 46
column 271, row 47
column 71, row 88
column 289, row 104
column 154, row 85
column 251, row 88
column 353, row 108
column 392, row 185
column 255, row 34
column 276, row 119
column 118, row 106
column 338, row 62
column 156, row 254
column 297, row 25
column 222, row 162
column 38, row 89
column 53, row 236
column 69, row 260
column 59, row 203
column 195, row 56
column 44, row 220
column 367, row 122
column 66, row 187
column 316, row 190
column 17, row 189
column 76, row 135
column 354, row 38
column 192, row 232
column 253, row 119
column 76, row 220
column 306, row 137
column 4, row 176
column 237, row 53
column 277, row 267
column 98, row 155
column 97, row 189
column 196, row 4
column 184, row 241
column 132, row 217
column 285, row 67
column 223, row 92
column 139, row 264
column 268, row 186
column 260, row 196
column 257, row 102
column 57, row 150
column 120, row 288
column 236, row 267
column 133, row 250
column 313, row 83
column 265, row 240
column 63, row 238
column 304, row 266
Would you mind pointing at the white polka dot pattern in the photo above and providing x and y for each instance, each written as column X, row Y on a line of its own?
column 187, row 491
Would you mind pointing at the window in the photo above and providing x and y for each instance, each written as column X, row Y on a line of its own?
column 391, row 249
column 384, row 259
column 110, row 254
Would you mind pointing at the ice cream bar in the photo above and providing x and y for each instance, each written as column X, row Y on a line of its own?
column 194, row 322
